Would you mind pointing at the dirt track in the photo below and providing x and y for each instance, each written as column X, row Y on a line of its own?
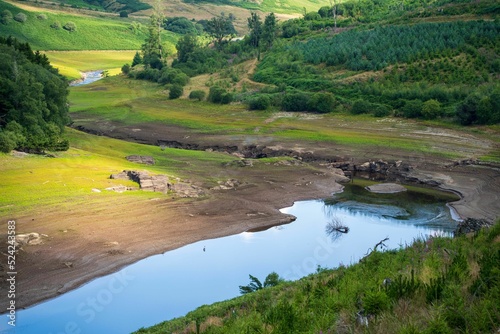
column 92, row 241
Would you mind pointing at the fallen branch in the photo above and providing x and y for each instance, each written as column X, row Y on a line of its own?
column 371, row 251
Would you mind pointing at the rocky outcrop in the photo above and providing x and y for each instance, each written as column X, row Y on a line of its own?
column 471, row 225
column 159, row 183
column 141, row 159
column 29, row 239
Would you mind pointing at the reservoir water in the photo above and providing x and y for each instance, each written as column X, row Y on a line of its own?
column 88, row 77
column 169, row 285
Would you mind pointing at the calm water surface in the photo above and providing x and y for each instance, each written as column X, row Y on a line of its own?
column 90, row 77
column 169, row 285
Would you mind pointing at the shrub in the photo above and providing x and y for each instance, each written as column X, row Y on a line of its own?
column 6, row 16
column 41, row 16
column 137, row 59
column 361, row 107
column 376, row 302
column 295, row 102
column 431, row 109
column 126, row 69
column 176, row 91
column 21, row 17
column 197, row 95
column 227, row 98
column 322, row 102
column 70, row 26
column 260, row 102
column 56, row 25
column 412, row 109
column 215, row 94
column 123, row 13
column 381, row 110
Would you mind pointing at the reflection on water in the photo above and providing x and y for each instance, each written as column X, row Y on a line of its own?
column 169, row 285
column 88, row 77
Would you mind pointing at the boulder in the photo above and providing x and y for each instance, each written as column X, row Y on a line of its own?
column 386, row 188
column 141, row 159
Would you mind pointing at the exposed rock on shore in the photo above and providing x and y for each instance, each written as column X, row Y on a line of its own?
column 386, row 188
column 471, row 225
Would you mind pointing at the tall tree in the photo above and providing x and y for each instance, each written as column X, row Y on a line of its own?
column 152, row 47
column 255, row 26
column 219, row 28
column 333, row 4
column 185, row 46
column 269, row 30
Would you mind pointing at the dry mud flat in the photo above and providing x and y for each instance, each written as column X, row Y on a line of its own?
column 90, row 241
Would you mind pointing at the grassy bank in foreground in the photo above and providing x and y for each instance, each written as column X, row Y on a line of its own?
column 439, row 285
column 37, row 181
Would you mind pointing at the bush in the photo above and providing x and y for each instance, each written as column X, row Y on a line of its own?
column 70, row 26
column 216, row 94
column 376, row 302
column 361, row 107
column 412, row 109
column 322, row 102
column 176, row 91
column 295, row 102
column 56, row 25
column 197, row 95
column 21, row 17
column 431, row 109
column 6, row 16
column 41, row 16
column 260, row 102
column 126, row 69
column 381, row 110
column 123, row 13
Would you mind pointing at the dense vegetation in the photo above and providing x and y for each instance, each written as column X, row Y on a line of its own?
column 119, row 5
column 33, row 105
column 438, row 285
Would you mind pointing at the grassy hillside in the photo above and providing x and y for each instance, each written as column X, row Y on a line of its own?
column 34, row 181
column 92, row 33
column 439, row 285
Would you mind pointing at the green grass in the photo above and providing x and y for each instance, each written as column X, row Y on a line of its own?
column 38, row 181
column 71, row 63
column 327, row 302
column 93, row 33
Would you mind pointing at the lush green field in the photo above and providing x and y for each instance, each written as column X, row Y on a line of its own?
column 34, row 181
column 71, row 63
column 439, row 285
column 92, row 33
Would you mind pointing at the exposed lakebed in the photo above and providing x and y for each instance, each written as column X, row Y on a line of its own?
column 171, row 284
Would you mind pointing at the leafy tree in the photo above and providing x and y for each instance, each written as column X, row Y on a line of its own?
column 6, row 16
column 272, row 279
column 361, row 107
column 255, row 27
column 126, row 69
column 176, row 91
column 269, row 30
column 197, row 95
column 467, row 110
column 152, row 49
column 33, row 100
column 137, row 59
column 412, row 109
column 219, row 28
column 431, row 109
column 182, row 26
column 123, row 13
column 261, row 102
column 185, row 47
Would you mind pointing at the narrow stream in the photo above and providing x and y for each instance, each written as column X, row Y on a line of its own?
column 88, row 77
column 169, row 285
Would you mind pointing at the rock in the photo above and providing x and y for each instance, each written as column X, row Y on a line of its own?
column 471, row 225
column 94, row 190
column 120, row 176
column 227, row 185
column 28, row 239
column 18, row 154
column 386, row 188
column 118, row 189
column 187, row 190
column 141, row 159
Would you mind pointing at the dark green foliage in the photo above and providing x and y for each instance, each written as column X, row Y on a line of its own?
column 220, row 28
column 126, row 69
column 41, row 17
column 438, row 326
column 6, row 16
column 434, row 290
column 361, row 107
column 431, row 109
column 173, row 76
column 70, row 26
column 175, row 92
column 477, row 109
column 123, row 13
column 197, row 95
column 403, row 287
column 21, row 17
column 375, row 302
column 255, row 27
column 297, row 101
column 185, row 47
column 467, row 110
column 311, row 16
column 489, row 274
column 269, row 30
column 182, row 26
column 322, row 102
column 381, row 110
column 259, row 102
column 273, row 279
column 33, row 105
column 412, row 109
column 137, row 59
column 219, row 95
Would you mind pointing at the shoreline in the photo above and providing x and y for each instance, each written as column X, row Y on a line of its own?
column 94, row 263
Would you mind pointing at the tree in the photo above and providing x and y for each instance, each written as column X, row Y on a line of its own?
column 333, row 4
column 255, row 26
column 269, row 30
column 185, row 46
column 176, row 91
column 431, row 109
column 137, row 59
column 467, row 110
column 272, row 279
column 123, row 13
column 219, row 28
column 152, row 48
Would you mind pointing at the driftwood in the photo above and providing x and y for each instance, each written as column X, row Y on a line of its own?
column 371, row 251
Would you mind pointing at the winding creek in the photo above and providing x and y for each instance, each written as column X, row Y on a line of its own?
column 169, row 285
column 87, row 78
